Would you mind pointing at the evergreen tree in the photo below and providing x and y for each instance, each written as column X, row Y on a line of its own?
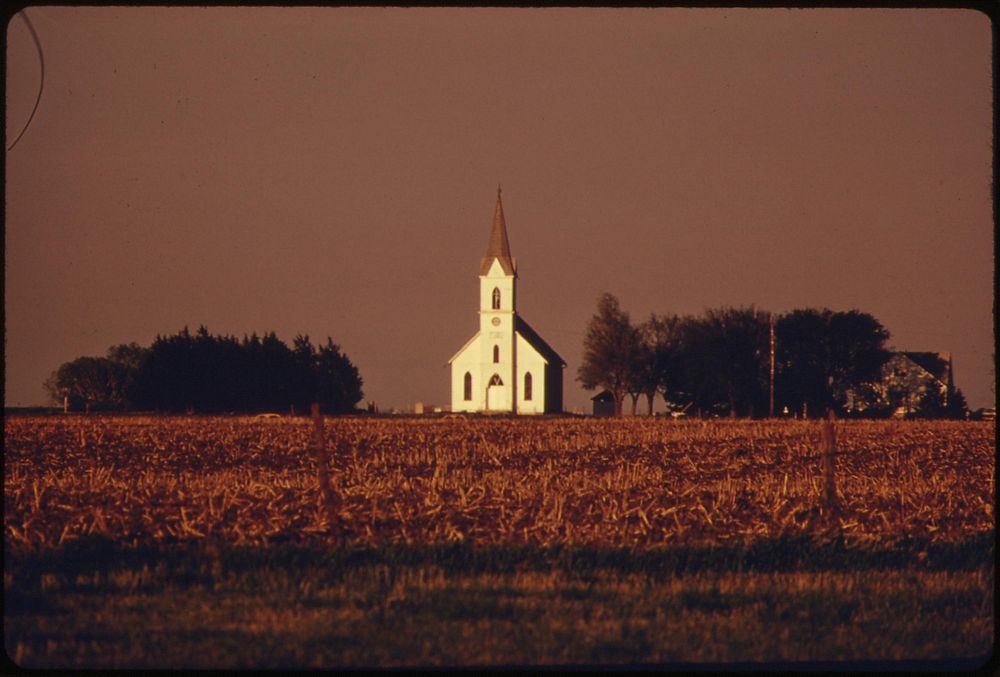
column 212, row 374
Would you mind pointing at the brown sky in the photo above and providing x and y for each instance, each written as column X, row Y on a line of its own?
column 333, row 172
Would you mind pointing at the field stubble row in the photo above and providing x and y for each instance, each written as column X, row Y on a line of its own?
column 632, row 482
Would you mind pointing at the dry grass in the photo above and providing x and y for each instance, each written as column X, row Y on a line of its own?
column 206, row 542
column 286, row 607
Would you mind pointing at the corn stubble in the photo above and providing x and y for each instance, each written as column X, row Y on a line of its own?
column 237, row 542
column 634, row 482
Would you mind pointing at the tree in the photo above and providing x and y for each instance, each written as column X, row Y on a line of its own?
column 801, row 380
column 657, row 358
column 857, row 350
column 339, row 383
column 126, row 363
column 168, row 378
column 932, row 403
column 642, row 378
column 99, row 382
column 303, row 378
column 276, row 373
column 325, row 376
column 207, row 373
column 824, row 357
column 267, row 375
column 957, row 407
column 723, row 360
column 609, row 348
column 86, row 381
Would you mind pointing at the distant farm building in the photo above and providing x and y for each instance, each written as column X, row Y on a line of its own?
column 910, row 378
column 604, row 403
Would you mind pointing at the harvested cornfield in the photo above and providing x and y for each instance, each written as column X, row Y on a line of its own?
column 138, row 542
column 633, row 482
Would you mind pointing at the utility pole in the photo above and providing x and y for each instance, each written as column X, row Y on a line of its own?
column 770, row 407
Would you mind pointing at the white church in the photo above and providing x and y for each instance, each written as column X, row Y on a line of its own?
column 506, row 366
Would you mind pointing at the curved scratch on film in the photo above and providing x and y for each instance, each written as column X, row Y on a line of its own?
column 41, row 81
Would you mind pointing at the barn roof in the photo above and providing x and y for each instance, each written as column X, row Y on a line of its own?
column 499, row 247
column 937, row 365
column 537, row 342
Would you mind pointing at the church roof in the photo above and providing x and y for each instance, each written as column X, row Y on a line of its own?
column 499, row 247
column 462, row 349
column 537, row 342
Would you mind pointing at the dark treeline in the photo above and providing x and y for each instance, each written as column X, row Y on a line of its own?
column 719, row 363
column 211, row 374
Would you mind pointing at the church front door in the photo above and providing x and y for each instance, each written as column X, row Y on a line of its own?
column 495, row 394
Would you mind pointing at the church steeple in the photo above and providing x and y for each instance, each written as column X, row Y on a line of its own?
column 506, row 366
column 499, row 247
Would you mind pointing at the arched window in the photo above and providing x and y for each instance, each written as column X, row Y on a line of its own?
column 468, row 386
column 496, row 298
column 527, row 385
column 496, row 354
column 495, row 380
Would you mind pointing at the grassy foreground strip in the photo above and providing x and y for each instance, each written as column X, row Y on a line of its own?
column 100, row 604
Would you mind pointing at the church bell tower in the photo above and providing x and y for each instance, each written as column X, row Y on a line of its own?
column 497, row 310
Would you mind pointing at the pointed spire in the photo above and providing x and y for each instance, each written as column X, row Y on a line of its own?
column 499, row 247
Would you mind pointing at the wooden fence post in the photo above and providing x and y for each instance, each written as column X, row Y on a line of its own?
column 319, row 449
column 828, row 448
